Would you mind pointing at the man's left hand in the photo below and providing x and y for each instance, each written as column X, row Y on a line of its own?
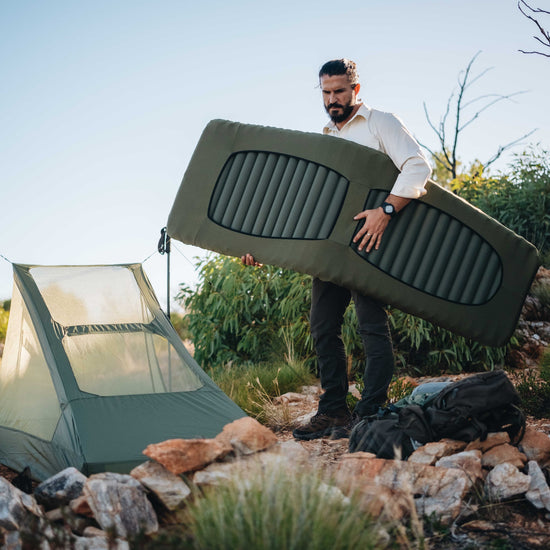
column 370, row 235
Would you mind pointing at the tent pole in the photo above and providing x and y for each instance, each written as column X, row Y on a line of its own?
column 164, row 248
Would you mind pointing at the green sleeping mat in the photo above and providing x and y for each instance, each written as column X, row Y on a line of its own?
column 289, row 198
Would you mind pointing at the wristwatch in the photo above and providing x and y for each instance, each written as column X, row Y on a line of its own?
column 389, row 209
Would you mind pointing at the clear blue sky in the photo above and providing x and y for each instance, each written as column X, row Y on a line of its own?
column 102, row 103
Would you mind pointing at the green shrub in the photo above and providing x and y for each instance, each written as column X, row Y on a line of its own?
column 181, row 325
column 276, row 507
column 249, row 315
column 428, row 349
column 253, row 386
column 245, row 314
column 520, row 200
column 4, row 316
column 535, row 395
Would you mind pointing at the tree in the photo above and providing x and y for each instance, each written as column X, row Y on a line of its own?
column 545, row 40
column 447, row 160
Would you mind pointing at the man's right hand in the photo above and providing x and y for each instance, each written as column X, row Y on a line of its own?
column 248, row 259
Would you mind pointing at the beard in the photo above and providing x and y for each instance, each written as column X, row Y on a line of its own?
column 346, row 112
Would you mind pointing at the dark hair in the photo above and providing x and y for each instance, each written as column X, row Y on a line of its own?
column 341, row 66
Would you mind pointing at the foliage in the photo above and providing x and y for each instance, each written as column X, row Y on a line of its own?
column 243, row 314
column 276, row 507
column 519, row 200
column 4, row 316
column 181, row 325
column 429, row 349
column 252, row 387
column 535, row 395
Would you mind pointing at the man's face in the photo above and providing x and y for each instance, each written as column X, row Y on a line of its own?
column 339, row 97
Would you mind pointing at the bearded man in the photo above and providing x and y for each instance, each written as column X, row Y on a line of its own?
column 351, row 119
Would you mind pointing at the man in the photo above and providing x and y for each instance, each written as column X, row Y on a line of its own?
column 353, row 120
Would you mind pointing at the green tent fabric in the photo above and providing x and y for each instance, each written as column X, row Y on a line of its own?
column 93, row 372
column 289, row 198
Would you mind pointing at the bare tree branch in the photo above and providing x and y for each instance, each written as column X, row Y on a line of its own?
column 546, row 34
column 485, row 107
column 503, row 148
column 458, row 104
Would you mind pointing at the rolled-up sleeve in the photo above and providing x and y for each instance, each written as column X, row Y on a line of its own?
column 405, row 152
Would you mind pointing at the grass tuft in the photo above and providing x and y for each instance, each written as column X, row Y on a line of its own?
column 275, row 507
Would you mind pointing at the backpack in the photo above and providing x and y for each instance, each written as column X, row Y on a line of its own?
column 474, row 406
column 464, row 410
column 391, row 433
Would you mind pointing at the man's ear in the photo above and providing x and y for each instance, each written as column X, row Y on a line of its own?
column 356, row 89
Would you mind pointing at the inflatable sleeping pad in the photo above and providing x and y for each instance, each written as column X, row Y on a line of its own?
column 289, row 199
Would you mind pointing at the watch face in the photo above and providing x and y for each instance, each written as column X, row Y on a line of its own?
column 388, row 209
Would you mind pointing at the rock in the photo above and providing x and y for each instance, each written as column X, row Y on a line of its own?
column 501, row 454
column 187, row 455
column 81, row 507
column 432, row 452
column 435, row 490
column 492, row 440
column 247, row 436
column 536, row 446
column 99, row 543
column 467, row 461
column 291, row 397
column 61, row 488
column 216, row 473
column 539, row 492
column 291, row 450
column 506, row 481
column 168, row 488
column 119, row 503
column 15, row 506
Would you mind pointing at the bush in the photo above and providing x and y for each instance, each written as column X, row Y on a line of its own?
column 253, row 387
column 245, row 314
column 278, row 507
column 427, row 349
column 4, row 316
column 520, row 200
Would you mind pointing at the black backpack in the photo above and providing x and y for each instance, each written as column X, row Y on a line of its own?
column 464, row 410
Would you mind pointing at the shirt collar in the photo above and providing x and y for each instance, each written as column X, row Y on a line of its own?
column 363, row 112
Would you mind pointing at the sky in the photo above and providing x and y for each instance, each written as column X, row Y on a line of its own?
column 103, row 102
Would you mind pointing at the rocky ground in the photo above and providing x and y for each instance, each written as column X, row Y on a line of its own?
column 510, row 524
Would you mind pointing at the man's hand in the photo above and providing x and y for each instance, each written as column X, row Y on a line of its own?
column 371, row 233
column 375, row 224
column 248, row 259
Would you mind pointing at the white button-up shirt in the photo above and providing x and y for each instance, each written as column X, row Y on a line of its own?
column 385, row 132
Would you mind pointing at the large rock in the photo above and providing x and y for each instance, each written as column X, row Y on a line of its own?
column 506, row 481
column 536, row 446
column 167, row 487
column 247, row 436
column 492, row 440
column 187, row 455
column 433, row 451
column 119, row 504
column 502, row 454
column 61, row 488
column 467, row 461
column 539, row 492
column 437, row 491
column 15, row 506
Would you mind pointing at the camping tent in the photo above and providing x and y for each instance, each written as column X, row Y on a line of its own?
column 93, row 372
